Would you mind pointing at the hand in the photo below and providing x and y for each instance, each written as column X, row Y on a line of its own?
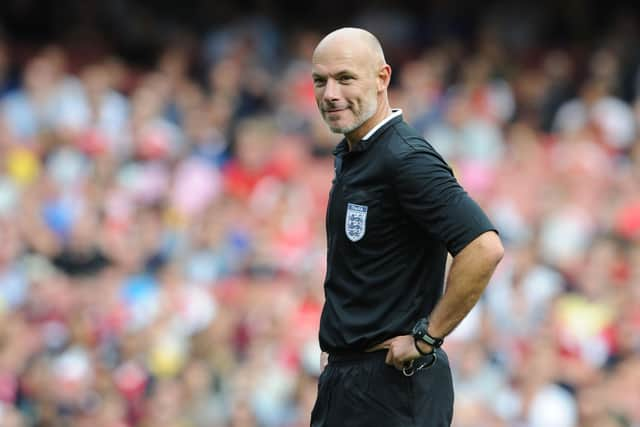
column 324, row 360
column 401, row 350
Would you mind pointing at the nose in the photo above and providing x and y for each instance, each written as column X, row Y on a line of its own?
column 331, row 91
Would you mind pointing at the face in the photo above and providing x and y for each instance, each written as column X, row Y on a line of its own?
column 346, row 88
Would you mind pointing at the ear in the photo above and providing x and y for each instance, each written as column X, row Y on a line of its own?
column 384, row 77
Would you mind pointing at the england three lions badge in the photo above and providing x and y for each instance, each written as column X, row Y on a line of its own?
column 355, row 223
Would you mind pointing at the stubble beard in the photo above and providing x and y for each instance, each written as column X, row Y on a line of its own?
column 368, row 110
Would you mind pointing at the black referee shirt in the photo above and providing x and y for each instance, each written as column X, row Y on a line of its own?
column 395, row 210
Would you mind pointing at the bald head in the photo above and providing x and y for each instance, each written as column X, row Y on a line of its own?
column 358, row 42
column 350, row 78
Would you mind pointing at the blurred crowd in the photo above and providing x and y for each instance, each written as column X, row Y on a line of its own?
column 162, row 241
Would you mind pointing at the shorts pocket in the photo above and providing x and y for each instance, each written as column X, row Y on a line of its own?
column 390, row 394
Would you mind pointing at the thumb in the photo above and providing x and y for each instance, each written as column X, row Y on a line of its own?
column 389, row 358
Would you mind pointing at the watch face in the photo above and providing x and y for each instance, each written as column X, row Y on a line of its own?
column 420, row 328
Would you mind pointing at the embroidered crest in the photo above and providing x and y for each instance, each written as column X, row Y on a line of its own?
column 355, row 222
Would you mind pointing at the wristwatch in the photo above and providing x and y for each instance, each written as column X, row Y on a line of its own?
column 420, row 333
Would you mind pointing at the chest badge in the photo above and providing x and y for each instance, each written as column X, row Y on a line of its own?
column 355, row 223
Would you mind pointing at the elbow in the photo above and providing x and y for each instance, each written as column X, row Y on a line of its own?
column 486, row 251
column 492, row 248
column 496, row 252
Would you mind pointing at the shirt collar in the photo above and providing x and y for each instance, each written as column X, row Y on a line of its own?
column 395, row 112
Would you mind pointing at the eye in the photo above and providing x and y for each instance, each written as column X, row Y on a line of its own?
column 318, row 82
column 346, row 79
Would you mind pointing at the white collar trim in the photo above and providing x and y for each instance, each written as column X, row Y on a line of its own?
column 395, row 112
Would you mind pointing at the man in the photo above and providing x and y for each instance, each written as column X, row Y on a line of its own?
column 395, row 211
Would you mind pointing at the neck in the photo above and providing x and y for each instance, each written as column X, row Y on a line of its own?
column 356, row 135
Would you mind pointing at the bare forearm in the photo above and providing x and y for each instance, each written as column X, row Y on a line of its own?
column 468, row 276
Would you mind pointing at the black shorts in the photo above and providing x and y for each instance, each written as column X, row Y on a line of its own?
column 362, row 391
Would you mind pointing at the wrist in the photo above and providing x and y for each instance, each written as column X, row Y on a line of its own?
column 420, row 334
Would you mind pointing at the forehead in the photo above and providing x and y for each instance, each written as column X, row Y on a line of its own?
column 340, row 57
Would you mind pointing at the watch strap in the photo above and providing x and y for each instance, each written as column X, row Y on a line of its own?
column 422, row 353
column 420, row 332
column 432, row 341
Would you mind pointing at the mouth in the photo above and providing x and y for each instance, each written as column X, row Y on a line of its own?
column 333, row 110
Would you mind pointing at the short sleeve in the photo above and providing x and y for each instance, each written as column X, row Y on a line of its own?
column 430, row 194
